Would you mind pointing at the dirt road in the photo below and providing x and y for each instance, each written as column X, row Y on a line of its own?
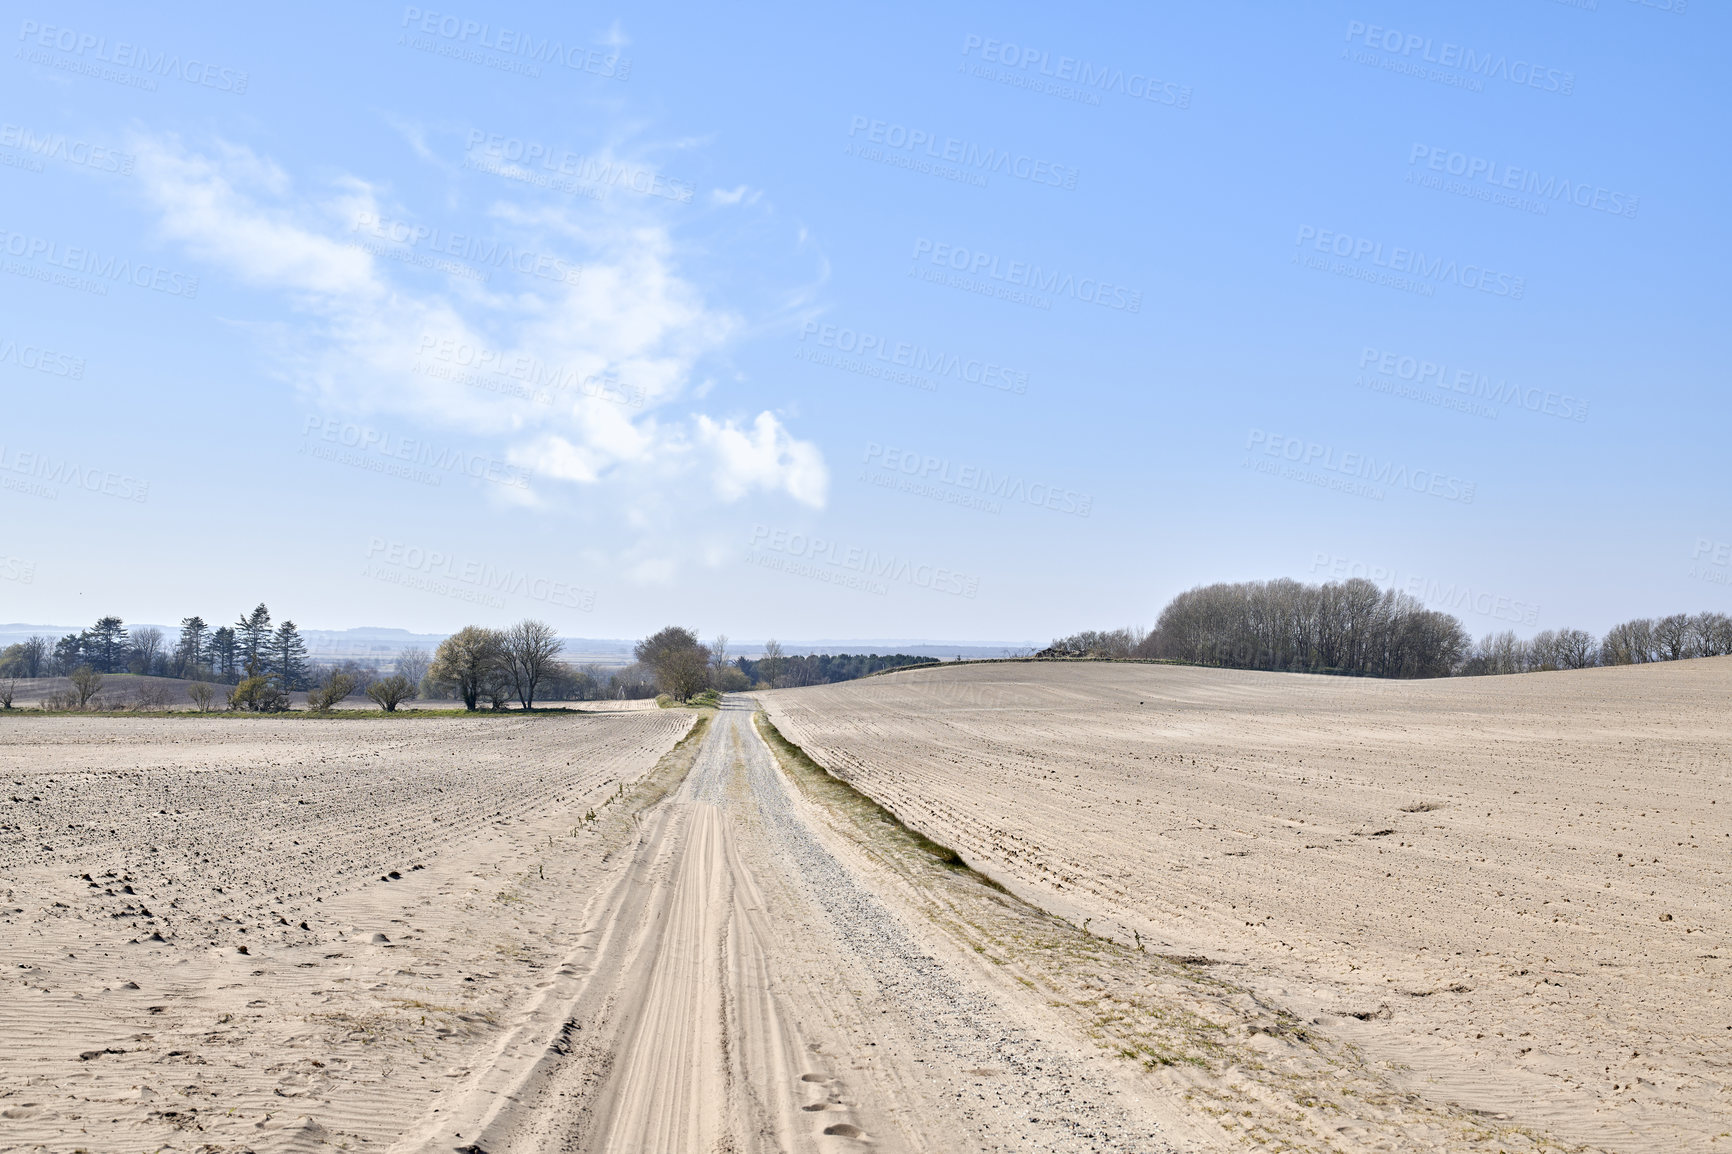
column 748, row 983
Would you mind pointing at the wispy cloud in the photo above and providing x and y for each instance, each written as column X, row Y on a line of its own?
column 367, row 328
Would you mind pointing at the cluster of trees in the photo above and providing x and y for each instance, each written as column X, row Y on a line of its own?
column 497, row 665
column 251, row 647
column 1354, row 627
column 1637, row 642
column 822, row 668
column 1339, row 627
column 684, row 667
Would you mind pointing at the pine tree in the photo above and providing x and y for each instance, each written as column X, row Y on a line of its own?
column 68, row 653
column 189, row 652
column 223, row 653
column 289, row 656
column 107, row 644
column 253, row 636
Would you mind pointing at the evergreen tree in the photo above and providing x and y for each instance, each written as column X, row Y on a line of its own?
column 189, row 652
column 68, row 652
column 288, row 656
column 253, row 637
column 224, row 653
column 106, row 643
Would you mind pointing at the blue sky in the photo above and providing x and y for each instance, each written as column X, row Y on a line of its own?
column 990, row 322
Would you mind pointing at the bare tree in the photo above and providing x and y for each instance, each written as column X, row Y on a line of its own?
column 528, row 651
column 201, row 695
column 770, row 664
column 1631, row 643
column 1575, row 649
column 413, row 664
column 147, row 649
column 8, row 689
column 1672, row 637
column 390, row 692
column 718, row 655
column 1343, row 627
column 35, row 654
column 85, row 682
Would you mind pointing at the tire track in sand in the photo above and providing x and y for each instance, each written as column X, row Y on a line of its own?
column 742, row 990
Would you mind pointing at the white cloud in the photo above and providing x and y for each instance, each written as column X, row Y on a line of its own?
column 764, row 457
column 375, row 337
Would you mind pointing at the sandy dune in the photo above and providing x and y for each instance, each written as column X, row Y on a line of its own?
column 1508, row 893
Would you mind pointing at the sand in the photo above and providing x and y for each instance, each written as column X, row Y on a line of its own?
column 1508, row 893
column 346, row 911
column 1212, row 911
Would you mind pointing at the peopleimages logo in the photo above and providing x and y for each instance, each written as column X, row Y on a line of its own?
column 917, row 358
column 867, row 564
column 65, row 471
column 1024, row 275
column 40, row 359
column 1471, row 384
column 91, row 50
column 461, row 34
column 469, row 248
column 1357, row 470
column 1409, row 52
column 949, row 150
column 1401, row 267
column 68, row 150
column 1088, row 78
column 929, row 470
column 1517, row 182
column 1452, row 595
column 76, row 259
column 479, row 576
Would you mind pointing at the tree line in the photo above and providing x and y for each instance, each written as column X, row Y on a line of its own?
column 264, row 664
column 684, row 667
column 1354, row 627
column 251, row 647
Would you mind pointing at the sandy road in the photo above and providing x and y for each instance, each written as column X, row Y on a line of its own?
column 751, row 982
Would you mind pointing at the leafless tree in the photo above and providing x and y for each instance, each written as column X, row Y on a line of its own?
column 1673, row 637
column 1575, row 649
column 770, row 665
column 1346, row 627
column 528, row 651
column 413, row 664
column 201, row 695
column 1631, row 643
column 8, row 689
column 147, row 648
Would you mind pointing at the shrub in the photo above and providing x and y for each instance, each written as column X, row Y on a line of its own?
column 259, row 695
column 201, row 695
column 326, row 697
column 85, row 682
column 391, row 691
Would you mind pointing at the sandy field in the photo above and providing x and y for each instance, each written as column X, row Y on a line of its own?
column 1211, row 912
column 228, row 934
column 1506, row 897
